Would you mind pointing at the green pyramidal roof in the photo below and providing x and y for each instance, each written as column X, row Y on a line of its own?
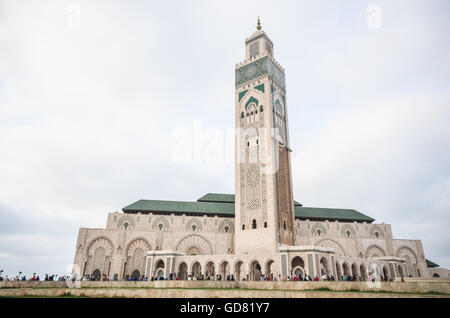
column 222, row 205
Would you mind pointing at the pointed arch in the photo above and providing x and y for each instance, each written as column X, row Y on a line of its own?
column 326, row 242
column 253, row 95
column 250, row 101
column 136, row 243
column 197, row 241
column 375, row 251
column 193, row 225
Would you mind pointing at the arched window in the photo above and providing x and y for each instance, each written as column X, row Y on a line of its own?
column 261, row 109
column 319, row 232
column 265, row 224
column 226, row 228
column 242, row 115
column 377, row 235
column 125, row 226
column 243, row 227
column 348, row 233
column 160, row 226
column 254, row 224
column 284, row 224
column 194, row 227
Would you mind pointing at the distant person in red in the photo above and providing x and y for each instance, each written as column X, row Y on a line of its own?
column 316, row 279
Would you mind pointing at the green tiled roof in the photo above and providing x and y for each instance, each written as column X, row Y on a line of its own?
column 220, row 197
column 223, row 205
column 217, row 197
column 431, row 264
column 346, row 215
column 212, row 208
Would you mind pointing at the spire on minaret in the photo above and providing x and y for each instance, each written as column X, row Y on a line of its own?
column 258, row 26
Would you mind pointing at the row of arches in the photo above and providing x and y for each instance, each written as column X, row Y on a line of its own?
column 161, row 224
column 347, row 231
column 100, row 253
column 374, row 251
column 347, row 270
column 226, row 270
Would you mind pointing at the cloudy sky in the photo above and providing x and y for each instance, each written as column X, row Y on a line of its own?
column 92, row 92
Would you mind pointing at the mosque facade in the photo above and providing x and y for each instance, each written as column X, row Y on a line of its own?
column 259, row 231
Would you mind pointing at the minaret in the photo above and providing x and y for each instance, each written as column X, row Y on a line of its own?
column 264, row 201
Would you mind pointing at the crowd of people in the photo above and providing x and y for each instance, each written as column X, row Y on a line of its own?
column 35, row 277
column 175, row 276
column 218, row 277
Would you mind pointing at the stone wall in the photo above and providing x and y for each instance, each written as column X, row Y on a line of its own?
column 441, row 286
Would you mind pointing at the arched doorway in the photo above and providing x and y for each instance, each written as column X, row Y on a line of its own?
column 196, row 270
column 237, row 270
column 210, row 272
column 160, row 274
column 268, row 270
column 324, row 269
column 136, row 275
column 255, row 271
column 159, row 271
column 298, row 272
column 436, row 275
column 346, row 269
column 182, row 270
column 298, row 267
column 97, row 274
column 224, row 270
column 362, row 270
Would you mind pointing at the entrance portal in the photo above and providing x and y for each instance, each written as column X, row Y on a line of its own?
column 136, row 275
column 97, row 274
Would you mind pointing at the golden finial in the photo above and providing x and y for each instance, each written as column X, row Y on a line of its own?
column 258, row 26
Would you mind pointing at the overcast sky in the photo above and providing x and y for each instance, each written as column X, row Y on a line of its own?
column 89, row 106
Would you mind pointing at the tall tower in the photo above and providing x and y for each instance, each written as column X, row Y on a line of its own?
column 264, row 215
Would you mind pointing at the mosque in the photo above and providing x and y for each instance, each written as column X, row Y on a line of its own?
column 259, row 231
